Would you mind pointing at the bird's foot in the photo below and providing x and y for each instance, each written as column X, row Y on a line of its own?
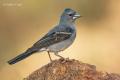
column 64, row 60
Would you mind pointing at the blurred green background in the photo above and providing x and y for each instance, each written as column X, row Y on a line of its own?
column 23, row 22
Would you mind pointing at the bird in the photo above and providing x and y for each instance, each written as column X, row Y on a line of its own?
column 56, row 40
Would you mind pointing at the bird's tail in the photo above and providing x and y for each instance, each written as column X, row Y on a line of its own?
column 20, row 57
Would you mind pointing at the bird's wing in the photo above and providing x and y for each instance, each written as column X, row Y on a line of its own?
column 55, row 36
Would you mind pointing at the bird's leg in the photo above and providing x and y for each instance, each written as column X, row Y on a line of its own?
column 62, row 58
column 49, row 56
column 56, row 53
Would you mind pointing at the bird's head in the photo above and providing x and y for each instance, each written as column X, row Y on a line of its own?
column 69, row 15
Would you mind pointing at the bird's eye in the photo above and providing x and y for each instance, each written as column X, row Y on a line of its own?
column 70, row 14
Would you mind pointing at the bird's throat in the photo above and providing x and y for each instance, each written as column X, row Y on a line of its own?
column 66, row 22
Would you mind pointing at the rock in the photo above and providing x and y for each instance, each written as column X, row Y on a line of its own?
column 70, row 69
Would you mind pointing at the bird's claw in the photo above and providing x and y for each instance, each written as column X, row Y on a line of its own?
column 64, row 60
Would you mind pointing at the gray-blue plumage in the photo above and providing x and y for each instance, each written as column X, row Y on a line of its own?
column 57, row 39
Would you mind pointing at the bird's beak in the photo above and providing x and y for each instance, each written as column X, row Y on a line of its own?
column 77, row 15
